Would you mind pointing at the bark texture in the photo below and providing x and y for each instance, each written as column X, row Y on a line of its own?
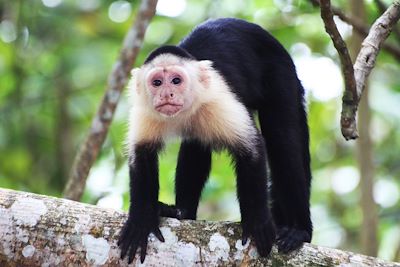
column 117, row 80
column 44, row 231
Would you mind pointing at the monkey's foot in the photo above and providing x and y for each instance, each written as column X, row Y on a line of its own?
column 263, row 234
column 290, row 239
column 172, row 211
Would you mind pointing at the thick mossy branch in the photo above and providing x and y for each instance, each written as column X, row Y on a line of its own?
column 38, row 230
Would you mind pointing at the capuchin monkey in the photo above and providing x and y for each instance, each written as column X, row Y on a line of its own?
column 205, row 91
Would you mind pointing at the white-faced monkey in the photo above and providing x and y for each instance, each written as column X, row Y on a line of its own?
column 206, row 90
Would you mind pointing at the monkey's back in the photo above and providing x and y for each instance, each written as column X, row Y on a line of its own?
column 236, row 46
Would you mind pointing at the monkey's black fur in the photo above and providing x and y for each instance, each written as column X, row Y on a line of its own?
column 261, row 73
column 168, row 49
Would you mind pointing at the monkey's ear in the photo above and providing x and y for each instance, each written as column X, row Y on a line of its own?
column 206, row 65
column 135, row 83
column 205, row 69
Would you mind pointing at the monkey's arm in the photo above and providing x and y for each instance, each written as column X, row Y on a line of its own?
column 143, row 217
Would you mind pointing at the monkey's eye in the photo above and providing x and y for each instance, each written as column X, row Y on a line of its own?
column 176, row 80
column 157, row 82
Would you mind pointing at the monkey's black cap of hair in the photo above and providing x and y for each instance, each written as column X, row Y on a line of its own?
column 168, row 49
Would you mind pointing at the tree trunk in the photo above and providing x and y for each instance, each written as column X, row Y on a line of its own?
column 44, row 231
column 63, row 135
column 369, row 239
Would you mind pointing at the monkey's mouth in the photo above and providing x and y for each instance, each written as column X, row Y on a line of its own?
column 169, row 108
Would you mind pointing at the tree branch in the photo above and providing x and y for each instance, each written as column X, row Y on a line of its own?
column 44, row 231
column 382, row 8
column 365, row 61
column 350, row 100
column 371, row 45
column 361, row 28
column 90, row 148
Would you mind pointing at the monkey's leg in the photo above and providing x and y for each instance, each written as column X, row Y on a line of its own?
column 193, row 168
column 143, row 211
column 286, row 135
column 250, row 167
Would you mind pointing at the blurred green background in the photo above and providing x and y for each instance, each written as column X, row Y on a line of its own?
column 55, row 56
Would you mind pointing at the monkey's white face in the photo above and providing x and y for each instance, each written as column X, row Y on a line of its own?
column 177, row 97
column 169, row 89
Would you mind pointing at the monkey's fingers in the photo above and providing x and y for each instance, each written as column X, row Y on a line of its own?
column 158, row 234
column 124, row 241
column 122, row 236
column 293, row 239
column 124, row 249
column 281, row 240
column 264, row 237
column 132, row 252
column 286, row 247
column 282, row 233
column 262, row 243
column 123, row 246
column 264, row 240
column 245, row 237
column 143, row 249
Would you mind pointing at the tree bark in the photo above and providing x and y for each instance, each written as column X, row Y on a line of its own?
column 44, row 231
column 369, row 228
column 62, row 133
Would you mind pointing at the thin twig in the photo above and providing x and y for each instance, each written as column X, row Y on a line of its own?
column 119, row 75
column 350, row 94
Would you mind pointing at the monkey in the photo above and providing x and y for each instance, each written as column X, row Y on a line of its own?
column 207, row 91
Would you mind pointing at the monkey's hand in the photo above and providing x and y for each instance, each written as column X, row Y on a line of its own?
column 135, row 234
column 263, row 234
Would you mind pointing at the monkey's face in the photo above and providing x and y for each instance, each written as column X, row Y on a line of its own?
column 169, row 89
